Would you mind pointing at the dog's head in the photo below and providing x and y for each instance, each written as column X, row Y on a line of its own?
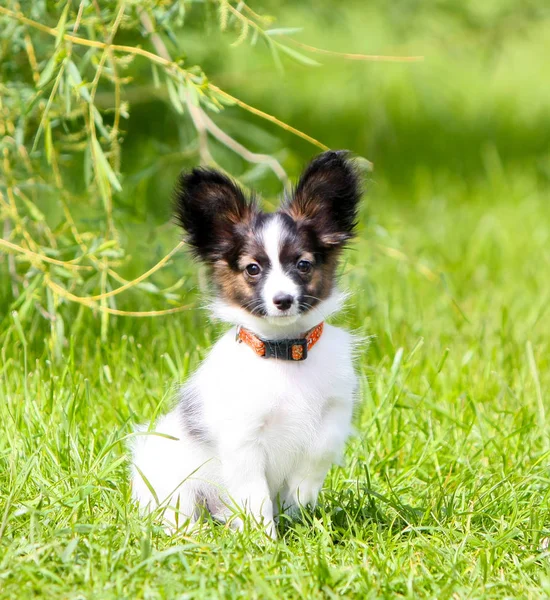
column 280, row 265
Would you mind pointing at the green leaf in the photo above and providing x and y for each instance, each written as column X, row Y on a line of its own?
column 35, row 213
column 98, row 120
column 32, row 103
column 65, row 273
column 210, row 105
column 112, row 253
column 222, row 99
column 171, row 365
column 105, row 246
column 48, row 141
column 104, row 165
column 147, row 286
column 192, row 94
column 47, row 71
column 19, row 327
column 69, row 551
column 88, row 169
column 112, row 466
column 298, row 56
column 254, row 38
column 58, row 336
column 284, row 31
column 174, row 97
column 61, row 24
column 50, row 301
column 74, row 73
column 146, row 482
column 275, row 54
column 67, row 94
column 76, row 80
column 28, row 297
column 156, row 80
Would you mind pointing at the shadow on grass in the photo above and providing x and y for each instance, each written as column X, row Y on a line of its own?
column 354, row 512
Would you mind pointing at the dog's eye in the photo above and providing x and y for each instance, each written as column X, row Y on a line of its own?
column 304, row 266
column 253, row 269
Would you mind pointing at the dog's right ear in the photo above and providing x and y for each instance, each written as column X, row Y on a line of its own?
column 326, row 198
column 211, row 209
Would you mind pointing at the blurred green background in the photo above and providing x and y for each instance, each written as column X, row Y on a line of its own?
column 477, row 102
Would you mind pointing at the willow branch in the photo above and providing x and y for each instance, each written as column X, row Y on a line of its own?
column 268, row 117
column 252, row 157
column 63, row 293
column 348, row 56
column 166, row 63
column 40, row 257
column 203, row 123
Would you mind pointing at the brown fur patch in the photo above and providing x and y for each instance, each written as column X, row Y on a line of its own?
column 234, row 286
column 322, row 280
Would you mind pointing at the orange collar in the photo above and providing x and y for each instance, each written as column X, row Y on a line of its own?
column 294, row 349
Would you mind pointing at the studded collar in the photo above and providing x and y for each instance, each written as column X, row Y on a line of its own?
column 292, row 349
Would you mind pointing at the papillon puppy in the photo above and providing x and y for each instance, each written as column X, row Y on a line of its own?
column 258, row 425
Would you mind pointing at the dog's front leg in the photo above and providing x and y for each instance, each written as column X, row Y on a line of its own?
column 305, row 483
column 245, row 478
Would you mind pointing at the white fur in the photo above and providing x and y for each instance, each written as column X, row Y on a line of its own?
column 277, row 282
column 278, row 327
column 275, row 426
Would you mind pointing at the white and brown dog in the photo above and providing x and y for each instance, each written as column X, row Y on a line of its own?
column 265, row 415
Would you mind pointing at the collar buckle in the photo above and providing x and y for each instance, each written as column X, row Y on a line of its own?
column 294, row 350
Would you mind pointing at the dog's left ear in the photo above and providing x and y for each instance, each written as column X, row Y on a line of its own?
column 326, row 198
column 212, row 210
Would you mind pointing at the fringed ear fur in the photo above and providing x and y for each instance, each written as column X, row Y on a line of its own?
column 210, row 208
column 326, row 198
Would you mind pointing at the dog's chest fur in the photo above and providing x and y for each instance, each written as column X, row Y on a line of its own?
column 277, row 404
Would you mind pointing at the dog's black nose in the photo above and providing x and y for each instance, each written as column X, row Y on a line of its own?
column 283, row 301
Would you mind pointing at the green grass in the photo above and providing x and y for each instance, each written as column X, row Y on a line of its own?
column 445, row 488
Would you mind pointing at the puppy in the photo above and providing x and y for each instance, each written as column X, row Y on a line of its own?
column 260, row 422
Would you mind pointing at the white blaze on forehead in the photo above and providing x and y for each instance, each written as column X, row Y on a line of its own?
column 277, row 282
column 273, row 236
